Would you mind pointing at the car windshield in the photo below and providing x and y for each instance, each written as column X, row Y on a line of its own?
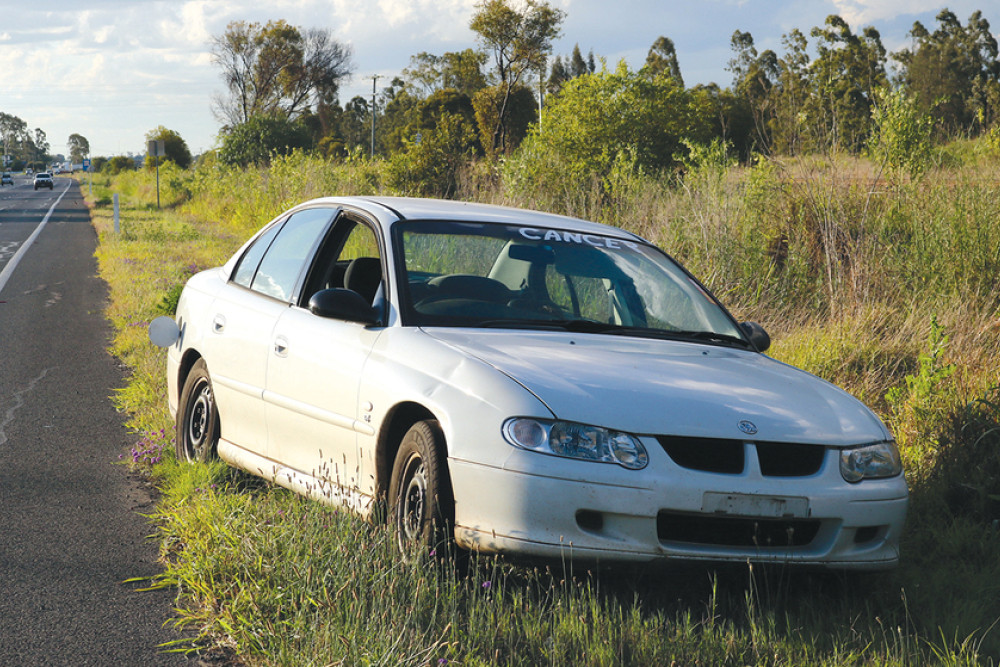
column 493, row 275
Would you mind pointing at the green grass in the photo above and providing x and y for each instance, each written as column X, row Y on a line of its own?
column 871, row 288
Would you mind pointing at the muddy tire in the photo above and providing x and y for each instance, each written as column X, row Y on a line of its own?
column 421, row 507
column 197, row 436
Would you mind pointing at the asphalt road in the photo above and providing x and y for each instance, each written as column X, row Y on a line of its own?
column 70, row 528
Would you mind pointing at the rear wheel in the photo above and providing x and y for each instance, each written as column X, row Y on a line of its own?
column 420, row 501
column 197, row 434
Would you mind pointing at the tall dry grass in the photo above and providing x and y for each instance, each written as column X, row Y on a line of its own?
column 886, row 288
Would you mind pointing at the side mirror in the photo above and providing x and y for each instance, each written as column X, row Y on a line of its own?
column 163, row 331
column 757, row 335
column 343, row 304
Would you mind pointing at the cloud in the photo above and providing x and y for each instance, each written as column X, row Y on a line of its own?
column 396, row 12
column 866, row 12
column 114, row 69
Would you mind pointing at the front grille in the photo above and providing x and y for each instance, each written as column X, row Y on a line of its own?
column 730, row 531
column 779, row 459
column 718, row 455
column 706, row 454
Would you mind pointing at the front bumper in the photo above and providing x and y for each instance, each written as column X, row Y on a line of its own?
column 677, row 514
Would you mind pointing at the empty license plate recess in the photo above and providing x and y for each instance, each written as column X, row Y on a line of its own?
column 744, row 504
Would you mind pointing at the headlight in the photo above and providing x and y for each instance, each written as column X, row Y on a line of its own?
column 576, row 441
column 870, row 461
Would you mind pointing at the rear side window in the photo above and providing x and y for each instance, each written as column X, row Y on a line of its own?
column 287, row 255
column 273, row 263
column 247, row 267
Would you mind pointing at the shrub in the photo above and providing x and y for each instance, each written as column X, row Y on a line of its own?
column 431, row 166
column 258, row 140
column 597, row 117
column 117, row 165
column 901, row 139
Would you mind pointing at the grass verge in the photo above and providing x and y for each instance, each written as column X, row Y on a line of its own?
column 282, row 581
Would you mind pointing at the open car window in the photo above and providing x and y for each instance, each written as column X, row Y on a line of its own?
column 349, row 258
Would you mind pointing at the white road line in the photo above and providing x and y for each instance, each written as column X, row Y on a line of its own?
column 8, row 270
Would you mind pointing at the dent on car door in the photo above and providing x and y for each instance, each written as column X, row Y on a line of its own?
column 313, row 379
column 243, row 321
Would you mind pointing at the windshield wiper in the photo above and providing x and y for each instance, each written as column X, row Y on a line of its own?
column 712, row 336
column 547, row 325
column 592, row 326
column 580, row 326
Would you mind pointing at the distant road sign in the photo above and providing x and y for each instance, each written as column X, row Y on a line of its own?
column 86, row 165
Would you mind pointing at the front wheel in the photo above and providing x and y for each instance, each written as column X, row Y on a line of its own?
column 420, row 498
column 197, row 434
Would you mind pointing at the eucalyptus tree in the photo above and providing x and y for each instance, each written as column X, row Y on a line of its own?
column 38, row 145
column 520, row 40
column 78, row 147
column 461, row 71
column 662, row 59
column 14, row 136
column 574, row 65
column 755, row 76
column 847, row 75
column 790, row 131
column 578, row 65
column 277, row 69
column 953, row 72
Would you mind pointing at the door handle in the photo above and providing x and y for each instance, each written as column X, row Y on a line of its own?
column 281, row 346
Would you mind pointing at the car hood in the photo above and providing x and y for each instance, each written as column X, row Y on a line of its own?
column 655, row 387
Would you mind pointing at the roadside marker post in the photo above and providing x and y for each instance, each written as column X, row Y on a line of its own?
column 90, row 176
column 156, row 149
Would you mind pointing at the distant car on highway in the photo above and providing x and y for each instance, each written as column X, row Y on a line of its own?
column 43, row 180
column 7, row 179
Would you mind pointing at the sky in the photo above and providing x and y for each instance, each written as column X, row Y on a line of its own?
column 113, row 70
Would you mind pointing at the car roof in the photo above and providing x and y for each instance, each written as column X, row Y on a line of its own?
column 399, row 210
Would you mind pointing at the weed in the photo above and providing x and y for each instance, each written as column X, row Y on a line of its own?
column 149, row 451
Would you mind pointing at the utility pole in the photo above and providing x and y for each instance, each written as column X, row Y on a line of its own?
column 375, row 77
column 540, row 93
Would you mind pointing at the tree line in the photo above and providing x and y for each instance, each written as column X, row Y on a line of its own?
column 826, row 90
column 22, row 145
column 30, row 149
column 822, row 92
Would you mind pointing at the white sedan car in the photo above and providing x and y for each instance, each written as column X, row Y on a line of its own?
column 518, row 382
